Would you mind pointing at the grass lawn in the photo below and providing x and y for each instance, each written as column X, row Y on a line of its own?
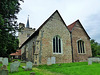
column 77, row 68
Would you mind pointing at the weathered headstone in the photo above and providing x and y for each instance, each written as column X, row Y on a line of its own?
column 13, row 67
column 93, row 59
column 17, row 63
column 4, row 67
column 28, row 66
column 1, row 59
column 5, row 61
column 53, row 61
column 89, row 61
column 3, row 72
column 48, row 61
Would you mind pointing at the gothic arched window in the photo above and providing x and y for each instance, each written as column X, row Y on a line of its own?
column 57, row 48
column 80, row 45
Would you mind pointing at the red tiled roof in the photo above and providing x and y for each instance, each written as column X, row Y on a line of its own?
column 70, row 27
column 18, row 52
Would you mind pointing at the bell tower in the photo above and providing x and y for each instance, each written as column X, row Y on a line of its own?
column 25, row 32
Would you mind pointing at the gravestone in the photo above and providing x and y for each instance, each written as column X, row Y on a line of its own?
column 17, row 63
column 4, row 67
column 89, row 61
column 53, row 61
column 28, row 66
column 1, row 59
column 95, row 59
column 3, row 72
column 48, row 61
column 5, row 61
column 13, row 67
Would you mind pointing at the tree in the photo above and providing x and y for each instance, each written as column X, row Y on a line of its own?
column 8, row 26
column 95, row 46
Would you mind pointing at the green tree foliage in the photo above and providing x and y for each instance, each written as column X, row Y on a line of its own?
column 8, row 26
column 95, row 48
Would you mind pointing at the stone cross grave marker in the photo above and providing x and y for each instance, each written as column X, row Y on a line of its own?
column 53, row 61
column 28, row 66
column 5, row 61
column 13, row 67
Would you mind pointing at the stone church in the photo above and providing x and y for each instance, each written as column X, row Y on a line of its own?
column 54, row 42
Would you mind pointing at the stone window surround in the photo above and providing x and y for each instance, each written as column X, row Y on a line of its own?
column 84, row 46
column 58, row 45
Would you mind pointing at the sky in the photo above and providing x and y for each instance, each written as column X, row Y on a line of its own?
column 87, row 11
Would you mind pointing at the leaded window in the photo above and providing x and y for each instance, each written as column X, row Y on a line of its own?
column 80, row 45
column 57, row 45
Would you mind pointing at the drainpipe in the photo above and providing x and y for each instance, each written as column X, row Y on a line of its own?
column 72, row 46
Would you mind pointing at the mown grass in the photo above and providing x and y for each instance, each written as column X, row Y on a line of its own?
column 77, row 68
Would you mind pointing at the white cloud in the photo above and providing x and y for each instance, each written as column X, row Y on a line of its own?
column 70, row 10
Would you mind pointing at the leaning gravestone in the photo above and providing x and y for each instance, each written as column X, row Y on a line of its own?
column 28, row 66
column 5, row 61
column 49, row 61
column 13, row 67
column 53, row 61
column 1, row 59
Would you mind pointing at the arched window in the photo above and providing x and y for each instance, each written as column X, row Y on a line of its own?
column 80, row 45
column 57, row 45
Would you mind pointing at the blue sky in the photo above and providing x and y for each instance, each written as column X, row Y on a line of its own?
column 87, row 11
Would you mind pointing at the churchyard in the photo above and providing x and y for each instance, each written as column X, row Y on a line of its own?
column 77, row 68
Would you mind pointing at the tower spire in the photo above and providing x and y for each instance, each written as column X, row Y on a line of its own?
column 27, row 25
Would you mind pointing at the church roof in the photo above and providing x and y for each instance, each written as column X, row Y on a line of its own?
column 18, row 53
column 37, row 31
column 50, row 17
column 71, row 27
